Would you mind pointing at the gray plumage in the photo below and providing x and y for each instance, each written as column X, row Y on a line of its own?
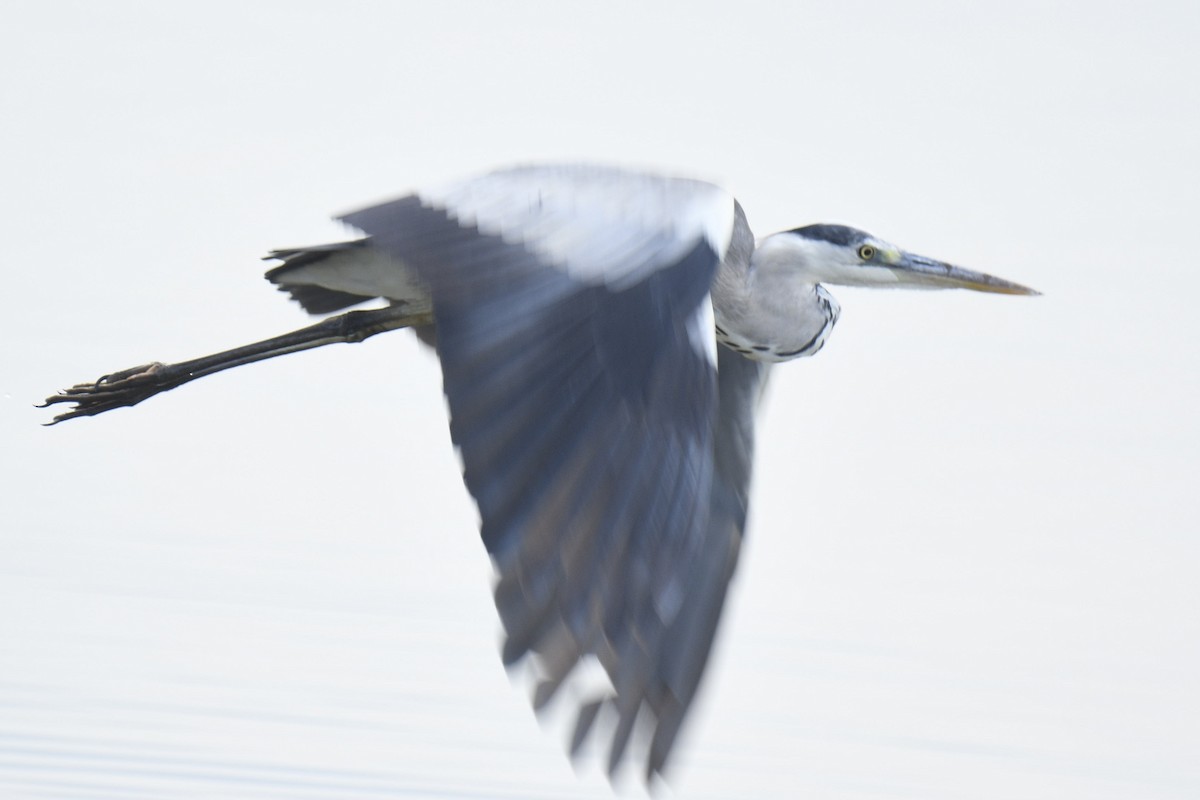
column 586, row 419
column 605, row 436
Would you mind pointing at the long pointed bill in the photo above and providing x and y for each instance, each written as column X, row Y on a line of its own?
column 914, row 270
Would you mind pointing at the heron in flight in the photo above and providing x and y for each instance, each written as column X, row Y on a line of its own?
column 604, row 336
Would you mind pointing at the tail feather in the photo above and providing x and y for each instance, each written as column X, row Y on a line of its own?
column 330, row 277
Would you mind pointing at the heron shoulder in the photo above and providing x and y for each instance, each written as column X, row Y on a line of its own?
column 599, row 224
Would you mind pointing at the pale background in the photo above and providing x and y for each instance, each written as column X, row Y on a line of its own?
column 972, row 564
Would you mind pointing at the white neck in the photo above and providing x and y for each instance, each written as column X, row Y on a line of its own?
column 773, row 308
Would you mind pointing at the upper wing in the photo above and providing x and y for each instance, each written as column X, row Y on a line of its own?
column 575, row 332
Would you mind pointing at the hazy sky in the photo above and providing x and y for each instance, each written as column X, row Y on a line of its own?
column 972, row 563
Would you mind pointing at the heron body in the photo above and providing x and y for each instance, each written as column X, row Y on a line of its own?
column 604, row 336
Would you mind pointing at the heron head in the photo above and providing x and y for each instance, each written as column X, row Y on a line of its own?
column 845, row 256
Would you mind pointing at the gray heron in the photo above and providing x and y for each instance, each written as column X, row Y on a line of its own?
column 604, row 336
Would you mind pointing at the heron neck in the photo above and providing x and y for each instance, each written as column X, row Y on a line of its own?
column 768, row 312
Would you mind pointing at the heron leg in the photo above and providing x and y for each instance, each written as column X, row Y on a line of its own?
column 128, row 387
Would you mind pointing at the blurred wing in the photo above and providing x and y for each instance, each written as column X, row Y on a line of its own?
column 690, row 636
column 574, row 328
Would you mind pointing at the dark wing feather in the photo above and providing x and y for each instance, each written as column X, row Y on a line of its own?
column 585, row 417
column 741, row 382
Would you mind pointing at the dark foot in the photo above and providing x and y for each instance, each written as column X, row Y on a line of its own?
column 131, row 386
column 117, row 390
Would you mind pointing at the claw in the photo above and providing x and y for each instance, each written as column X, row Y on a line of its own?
column 127, row 387
column 133, row 373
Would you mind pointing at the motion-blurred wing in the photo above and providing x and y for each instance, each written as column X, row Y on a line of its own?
column 690, row 636
column 575, row 332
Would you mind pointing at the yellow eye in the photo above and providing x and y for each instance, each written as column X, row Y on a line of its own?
column 866, row 252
